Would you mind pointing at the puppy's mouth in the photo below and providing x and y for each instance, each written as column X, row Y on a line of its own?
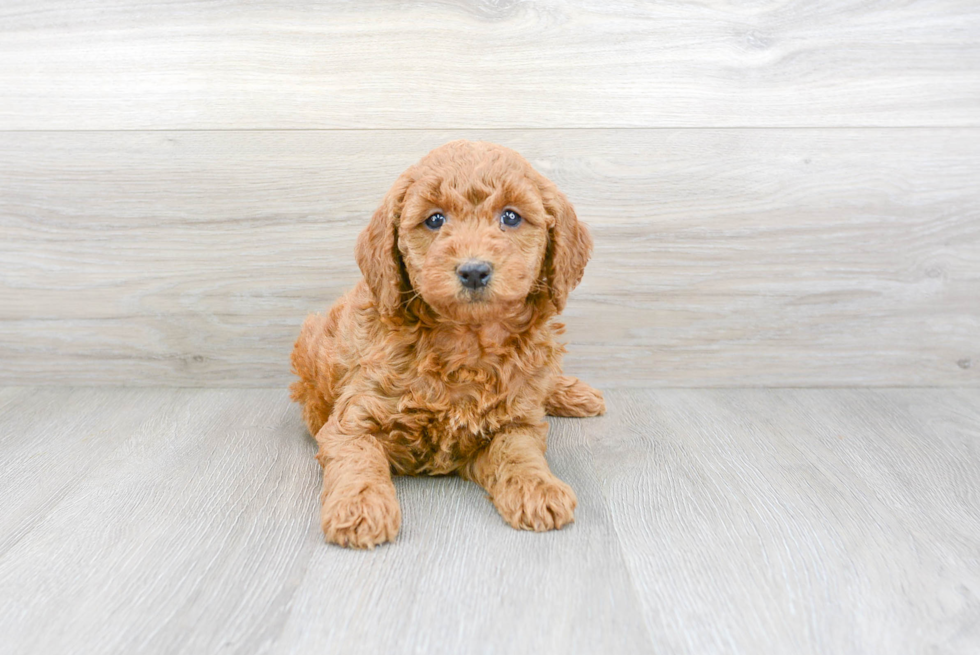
column 475, row 296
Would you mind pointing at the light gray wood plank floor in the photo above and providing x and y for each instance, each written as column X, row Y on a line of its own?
column 728, row 521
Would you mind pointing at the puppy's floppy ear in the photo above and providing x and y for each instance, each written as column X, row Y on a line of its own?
column 377, row 252
column 569, row 245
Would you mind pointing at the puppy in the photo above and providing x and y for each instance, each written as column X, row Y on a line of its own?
column 444, row 359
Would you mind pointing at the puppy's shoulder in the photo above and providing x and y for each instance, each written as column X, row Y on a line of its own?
column 362, row 329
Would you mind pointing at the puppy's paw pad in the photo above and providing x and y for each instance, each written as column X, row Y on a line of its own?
column 362, row 520
column 535, row 504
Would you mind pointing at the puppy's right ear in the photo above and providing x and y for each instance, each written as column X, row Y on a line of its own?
column 377, row 251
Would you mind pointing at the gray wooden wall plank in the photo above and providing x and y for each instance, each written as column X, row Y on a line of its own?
column 189, row 65
column 723, row 257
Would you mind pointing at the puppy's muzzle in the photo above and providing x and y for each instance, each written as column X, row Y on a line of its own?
column 475, row 274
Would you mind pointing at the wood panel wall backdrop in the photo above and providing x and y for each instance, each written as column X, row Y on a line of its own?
column 781, row 193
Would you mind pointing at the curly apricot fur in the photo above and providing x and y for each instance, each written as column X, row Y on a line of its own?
column 411, row 373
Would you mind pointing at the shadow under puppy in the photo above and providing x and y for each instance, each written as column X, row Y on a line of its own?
column 444, row 359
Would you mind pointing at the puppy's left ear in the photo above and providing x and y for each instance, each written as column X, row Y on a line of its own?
column 569, row 246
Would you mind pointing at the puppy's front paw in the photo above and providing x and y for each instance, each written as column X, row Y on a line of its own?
column 361, row 520
column 531, row 503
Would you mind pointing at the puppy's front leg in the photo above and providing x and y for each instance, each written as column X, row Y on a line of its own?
column 515, row 473
column 358, row 507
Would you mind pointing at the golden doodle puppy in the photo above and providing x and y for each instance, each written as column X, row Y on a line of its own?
column 444, row 359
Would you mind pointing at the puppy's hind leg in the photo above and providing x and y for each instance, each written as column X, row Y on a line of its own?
column 313, row 361
column 574, row 398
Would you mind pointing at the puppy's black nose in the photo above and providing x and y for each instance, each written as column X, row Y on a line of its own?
column 475, row 274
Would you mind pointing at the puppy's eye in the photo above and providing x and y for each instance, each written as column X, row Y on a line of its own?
column 435, row 221
column 510, row 218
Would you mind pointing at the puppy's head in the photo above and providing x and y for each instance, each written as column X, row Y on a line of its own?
column 476, row 233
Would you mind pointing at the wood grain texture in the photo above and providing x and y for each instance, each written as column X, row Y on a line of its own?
column 822, row 521
column 459, row 580
column 199, row 532
column 51, row 440
column 132, row 64
column 723, row 257
column 173, row 508
column 832, row 521
column 799, row 521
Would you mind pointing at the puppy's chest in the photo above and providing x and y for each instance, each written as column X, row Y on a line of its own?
column 443, row 421
column 476, row 401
